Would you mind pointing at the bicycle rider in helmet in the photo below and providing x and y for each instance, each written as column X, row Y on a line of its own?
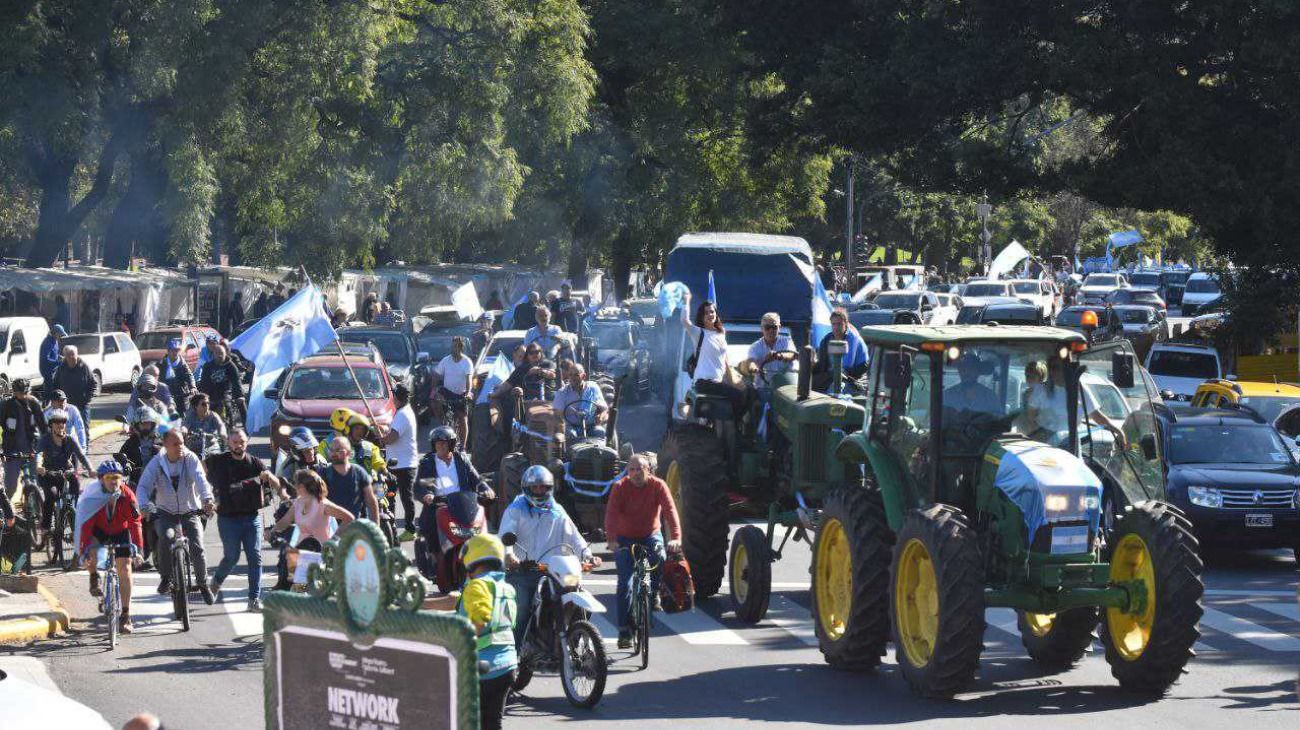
column 113, row 525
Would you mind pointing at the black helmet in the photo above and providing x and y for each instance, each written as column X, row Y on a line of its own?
column 443, row 433
column 57, row 394
column 401, row 391
column 21, row 385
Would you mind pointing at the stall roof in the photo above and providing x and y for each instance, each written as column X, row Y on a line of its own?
column 82, row 278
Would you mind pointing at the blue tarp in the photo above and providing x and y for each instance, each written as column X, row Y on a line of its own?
column 752, row 276
column 1030, row 472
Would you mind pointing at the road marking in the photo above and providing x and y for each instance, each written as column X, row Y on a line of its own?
column 235, row 603
column 1285, row 610
column 1002, row 619
column 608, row 631
column 700, row 629
column 793, row 619
column 1249, row 631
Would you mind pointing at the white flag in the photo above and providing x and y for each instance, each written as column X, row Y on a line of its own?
column 1007, row 259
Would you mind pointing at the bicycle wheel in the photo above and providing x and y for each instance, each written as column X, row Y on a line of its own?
column 582, row 665
column 54, row 545
column 181, row 587
column 69, row 539
column 33, row 508
column 111, row 609
column 643, row 626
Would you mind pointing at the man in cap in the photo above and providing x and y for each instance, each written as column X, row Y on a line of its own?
column 175, row 374
column 76, row 423
column 49, row 352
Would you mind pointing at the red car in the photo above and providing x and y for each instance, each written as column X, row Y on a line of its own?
column 314, row 387
column 153, row 344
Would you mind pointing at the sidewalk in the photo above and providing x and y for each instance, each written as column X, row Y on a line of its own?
column 28, row 610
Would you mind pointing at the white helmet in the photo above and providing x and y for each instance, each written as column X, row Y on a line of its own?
column 538, row 477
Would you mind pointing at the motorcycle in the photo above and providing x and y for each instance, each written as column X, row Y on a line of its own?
column 558, row 634
column 459, row 517
column 386, row 494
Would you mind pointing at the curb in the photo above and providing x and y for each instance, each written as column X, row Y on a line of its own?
column 38, row 626
column 100, row 429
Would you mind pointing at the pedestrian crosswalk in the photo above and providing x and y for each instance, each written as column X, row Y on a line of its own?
column 1232, row 623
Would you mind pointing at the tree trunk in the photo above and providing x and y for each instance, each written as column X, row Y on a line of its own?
column 136, row 226
column 58, row 220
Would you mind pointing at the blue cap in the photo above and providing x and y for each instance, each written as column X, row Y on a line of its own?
column 59, row 331
column 174, row 343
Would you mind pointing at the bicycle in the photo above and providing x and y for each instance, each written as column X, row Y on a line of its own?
column 110, row 604
column 182, row 569
column 33, row 505
column 641, row 614
column 61, row 538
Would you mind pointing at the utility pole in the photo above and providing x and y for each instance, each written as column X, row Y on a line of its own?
column 983, row 210
column 848, row 227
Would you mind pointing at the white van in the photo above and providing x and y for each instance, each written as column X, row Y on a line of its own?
column 112, row 356
column 20, row 345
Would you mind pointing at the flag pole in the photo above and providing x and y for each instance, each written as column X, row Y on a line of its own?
column 348, row 364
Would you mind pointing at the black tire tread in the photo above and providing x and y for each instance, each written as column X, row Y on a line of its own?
column 704, row 513
column 1072, row 632
column 861, row 509
column 760, row 574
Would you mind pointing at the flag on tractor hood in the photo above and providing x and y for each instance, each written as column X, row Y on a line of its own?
column 296, row 329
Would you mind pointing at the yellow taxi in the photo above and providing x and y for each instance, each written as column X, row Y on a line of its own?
column 1269, row 400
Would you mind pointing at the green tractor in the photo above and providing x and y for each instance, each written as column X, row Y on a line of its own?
column 990, row 467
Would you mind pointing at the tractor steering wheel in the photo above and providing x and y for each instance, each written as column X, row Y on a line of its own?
column 581, row 408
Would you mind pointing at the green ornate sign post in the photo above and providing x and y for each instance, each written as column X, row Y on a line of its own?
column 355, row 651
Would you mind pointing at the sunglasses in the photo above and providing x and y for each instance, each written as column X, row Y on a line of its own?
column 767, row 327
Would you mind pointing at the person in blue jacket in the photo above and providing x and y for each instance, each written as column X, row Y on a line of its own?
column 50, row 353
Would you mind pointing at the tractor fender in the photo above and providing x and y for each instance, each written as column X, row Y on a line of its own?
column 889, row 475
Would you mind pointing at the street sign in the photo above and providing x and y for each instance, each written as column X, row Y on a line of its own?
column 356, row 652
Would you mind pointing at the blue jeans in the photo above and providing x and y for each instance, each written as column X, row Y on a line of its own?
column 241, row 533
column 592, row 431
column 625, row 564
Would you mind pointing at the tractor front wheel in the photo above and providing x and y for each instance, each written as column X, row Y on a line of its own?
column 938, row 601
column 699, row 473
column 1153, row 548
column 850, row 578
column 751, row 574
column 1057, row 641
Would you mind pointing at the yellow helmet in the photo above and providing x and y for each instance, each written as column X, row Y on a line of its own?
column 483, row 547
column 343, row 419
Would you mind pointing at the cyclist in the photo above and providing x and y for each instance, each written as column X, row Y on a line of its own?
column 76, row 423
column 201, row 423
column 137, row 451
column 21, row 425
column 637, row 504
column 57, row 455
column 353, row 427
column 115, row 524
column 172, row 486
column 489, row 603
column 452, row 380
column 175, row 373
column 540, row 526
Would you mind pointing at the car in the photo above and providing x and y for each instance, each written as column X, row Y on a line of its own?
column 1201, row 295
column 1270, row 400
column 309, row 391
column 405, row 362
column 1234, row 476
column 972, row 309
column 617, row 350
column 1097, row 287
column 1002, row 313
column 111, row 356
column 153, row 344
column 1145, row 280
column 978, row 289
column 1179, row 368
column 1138, row 296
column 1143, row 326
column 1040, row 292
column 1109, row 327
column 20, row 345
column 1173, row 284
column 924, row 304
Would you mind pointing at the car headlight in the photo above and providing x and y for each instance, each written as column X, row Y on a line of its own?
column 1205, row 497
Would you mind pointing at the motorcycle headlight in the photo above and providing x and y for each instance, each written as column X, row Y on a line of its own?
column 571, row 581
column 1205, row 497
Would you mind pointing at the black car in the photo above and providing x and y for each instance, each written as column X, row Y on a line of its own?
column 397, row 345
column 1109, row 325
column 1000, row 313
column 1172, row 286
column 1235, row 477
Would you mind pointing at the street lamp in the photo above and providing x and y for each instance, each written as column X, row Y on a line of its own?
column 983, row 210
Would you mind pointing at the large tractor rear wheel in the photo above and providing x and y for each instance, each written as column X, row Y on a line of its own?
column 938, row 601
column 850, row 584
column 1153, row 546
column 1057, row 641
column 509, row 476
column 487, row 445
column 697, row 474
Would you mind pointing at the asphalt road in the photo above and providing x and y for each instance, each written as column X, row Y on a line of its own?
column 708, row 670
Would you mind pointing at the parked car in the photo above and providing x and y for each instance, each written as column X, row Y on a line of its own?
column 972, row 309
column 153, row 344
column 1180, row 368
column 1201, row 295
column 20, row 345
column 1109, row 327
column 1235, row 478
column 1138, row 296
column 1097, row 288
column 1145, row 281
column 309, row 391
column 405, row 362
column 1039, row 292
column 985, row 289
column 1143, row 326
column 111, row 356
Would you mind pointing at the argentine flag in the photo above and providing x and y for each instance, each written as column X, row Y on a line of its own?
column 821, row 312
column 501, row 369
column 296, row 329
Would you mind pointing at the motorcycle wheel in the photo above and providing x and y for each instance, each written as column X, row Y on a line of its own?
column 582, row 665
column 522, row 677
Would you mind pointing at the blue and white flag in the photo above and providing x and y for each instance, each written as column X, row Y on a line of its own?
column 821, row 313
column 501, row 369
column 296, row 329
column 670, row 296
column 713, row 292
column 1120, row 239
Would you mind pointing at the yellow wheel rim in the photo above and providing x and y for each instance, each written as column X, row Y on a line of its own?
column 739, row 579
column 1131, row 632
column 673, row 478
column 1040, row 624
column 833, row 580
column 916, row 603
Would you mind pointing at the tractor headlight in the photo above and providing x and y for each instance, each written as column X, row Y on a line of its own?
column 1205, row 497
column 1056, row 503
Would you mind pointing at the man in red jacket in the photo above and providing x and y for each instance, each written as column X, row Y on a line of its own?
column 114, row 526
column 636, row 505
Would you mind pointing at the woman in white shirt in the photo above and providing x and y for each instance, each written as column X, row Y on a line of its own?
column 711, row 364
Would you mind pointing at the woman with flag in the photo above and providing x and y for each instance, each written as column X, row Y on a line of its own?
column 709, row 366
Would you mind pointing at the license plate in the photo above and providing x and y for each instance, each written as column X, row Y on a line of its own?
column 1259, row 520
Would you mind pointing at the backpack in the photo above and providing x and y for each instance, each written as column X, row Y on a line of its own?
column 676, row 589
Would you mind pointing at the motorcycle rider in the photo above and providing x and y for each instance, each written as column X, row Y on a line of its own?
column 348, row 483
column 220, row 378
column 540, row 526
column 443, row 471
column 636, row 505
column 174, row 484
column 353, row 427
column 200, row 422
column 490, row 604
column 302, row 454
column 57, row 456
column 137, row 451
column 175, row 373
column 147, row 394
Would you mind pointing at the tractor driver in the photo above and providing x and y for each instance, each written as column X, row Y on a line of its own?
column 588, row 419
column 970, row 394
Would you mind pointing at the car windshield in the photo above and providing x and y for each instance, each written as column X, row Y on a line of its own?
column 985, row 393
column 970, row 314
column 1202, row 286
column 1145, row 280
column 155, row 340
column 504, row 344
column 1010, row 315
column 1101, row 280
column 1027, row 287
column 334, row 383
column 392, row 345
column 986, row 289
column 898, row 301
column 1270, row 406
column 1226, row 443
column 85, row 344
column 612, row 336
column 1181, row 364
column 1175, row 277
column 1135, row 316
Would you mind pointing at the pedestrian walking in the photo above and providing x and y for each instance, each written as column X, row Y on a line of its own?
column 238, row 479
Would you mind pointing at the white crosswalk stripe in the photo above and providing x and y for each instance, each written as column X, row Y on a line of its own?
column 1249, row 631
column 698, row 628
column 792, row 618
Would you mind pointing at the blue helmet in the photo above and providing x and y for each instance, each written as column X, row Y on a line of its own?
column 109, row 466
column 301, row 438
